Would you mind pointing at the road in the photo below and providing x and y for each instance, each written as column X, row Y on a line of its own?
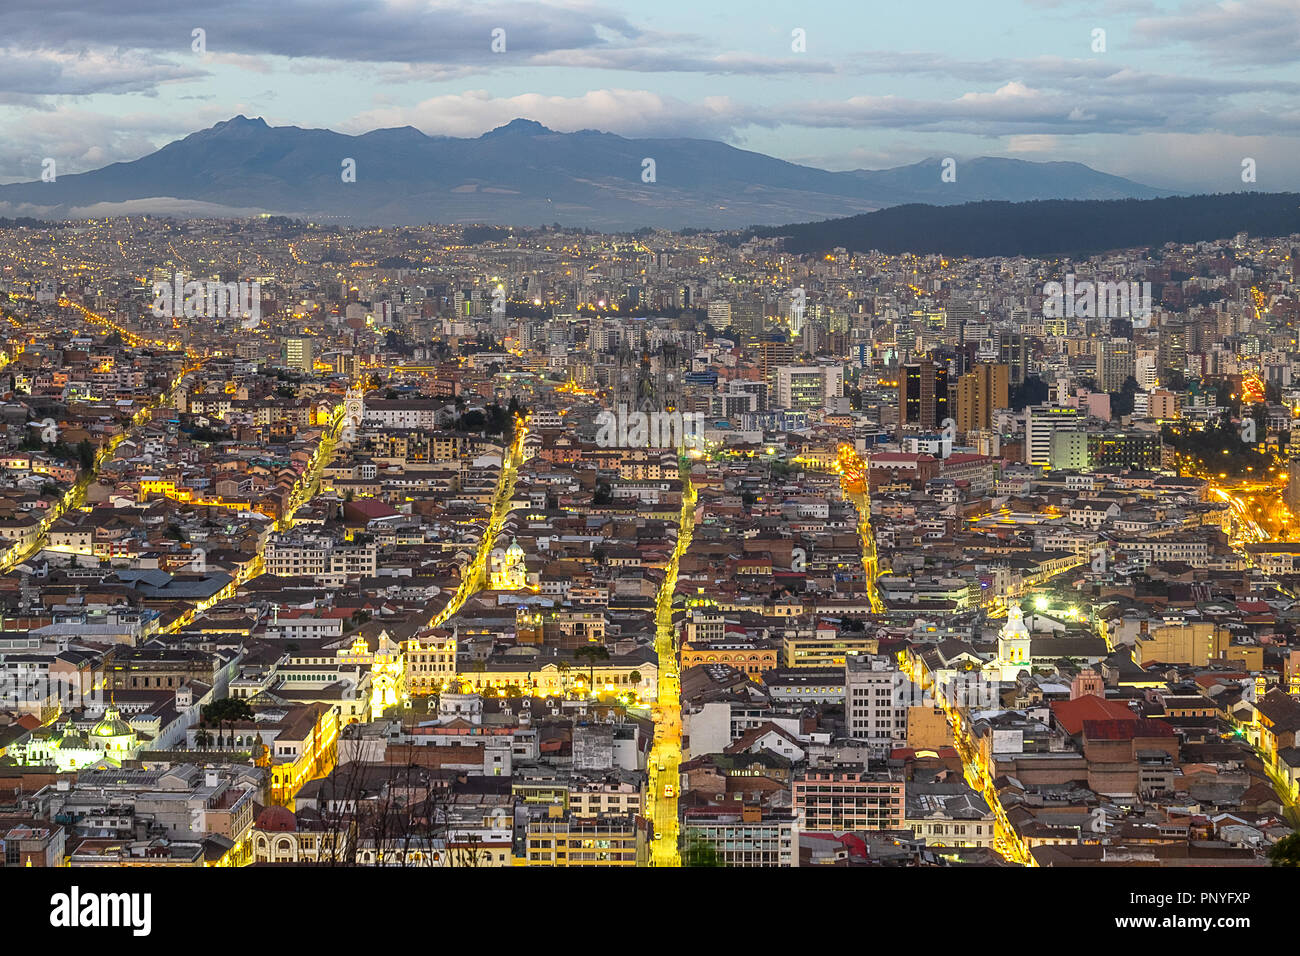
column 304, row 490
column 666, row 753
column 308, row 484
column 75, row 496
column 851, row 468
column 870, row 563
column 475, row 575
column 1006, row 841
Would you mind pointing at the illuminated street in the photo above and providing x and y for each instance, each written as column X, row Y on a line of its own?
column 475, row 575
column 666, row 753
column 75, row 497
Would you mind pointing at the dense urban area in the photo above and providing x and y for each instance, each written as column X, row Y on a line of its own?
column 470, row 546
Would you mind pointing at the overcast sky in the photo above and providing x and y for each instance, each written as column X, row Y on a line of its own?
column 1182, row 93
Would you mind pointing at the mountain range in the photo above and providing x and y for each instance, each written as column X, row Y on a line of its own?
column 522, row 174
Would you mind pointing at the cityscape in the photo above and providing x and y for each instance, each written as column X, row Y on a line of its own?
column 574, row 525
column 934, row 579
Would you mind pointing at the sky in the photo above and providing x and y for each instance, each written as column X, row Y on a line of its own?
column 1172, row 94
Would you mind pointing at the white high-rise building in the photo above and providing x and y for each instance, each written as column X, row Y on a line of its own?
column 299, row 352
column 808, row 387
column 876, row 696
column 1041, row 423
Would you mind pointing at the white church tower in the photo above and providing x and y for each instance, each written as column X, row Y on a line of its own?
column 1013, row 645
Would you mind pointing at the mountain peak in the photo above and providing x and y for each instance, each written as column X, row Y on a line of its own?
column 238, row 124
column 520, row 126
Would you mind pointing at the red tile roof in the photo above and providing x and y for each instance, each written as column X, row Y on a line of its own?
column 1125, row 729
column 1071, row 714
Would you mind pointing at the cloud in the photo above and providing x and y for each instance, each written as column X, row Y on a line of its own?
column 352, row 30
column 153, row 206
column 45, row 72
column 1230, row 31
column 633, row 113
column 79, row 139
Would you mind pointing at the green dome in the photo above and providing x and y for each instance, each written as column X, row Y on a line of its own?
column 74, row 740
column 112, row 725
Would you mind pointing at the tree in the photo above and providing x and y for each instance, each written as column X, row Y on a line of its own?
column 1032, row 391
column 701, row 852
column 1121, row 402
column 1174, row 379
column 592, row 653
column 228, row 710
column 86, row 454
column 1286, row 851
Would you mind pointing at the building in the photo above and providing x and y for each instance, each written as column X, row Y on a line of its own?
column 565, row 839
column 1070, row 450
column 108, row 743
column 1139, row 450
column 849, row 799
column 1013, row 352
column 748, row 837
column 875, row 709
column 1115, row 363
column 922, row 396
column 808, row 387
column 948, row 814
column 1014, row 648
column 827, row 649
column 979, row 393
column 1164, row 405
column 430, row 662
column 1042, row 422
column 299, row 353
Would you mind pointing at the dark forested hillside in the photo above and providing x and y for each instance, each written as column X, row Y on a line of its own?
column 1047, row 227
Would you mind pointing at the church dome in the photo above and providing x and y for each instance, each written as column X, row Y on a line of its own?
column 112, row 725
column 74, row 740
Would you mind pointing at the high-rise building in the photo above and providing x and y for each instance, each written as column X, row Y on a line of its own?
column 771, row 356
column 1115, row 363
column 979, row 393
column 299, row 352
column 1041, row 423
column 922, row 396
column 875, row 710
column 1013, row 352
column 808, row 387
column 747, row 315
column 957, row 316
